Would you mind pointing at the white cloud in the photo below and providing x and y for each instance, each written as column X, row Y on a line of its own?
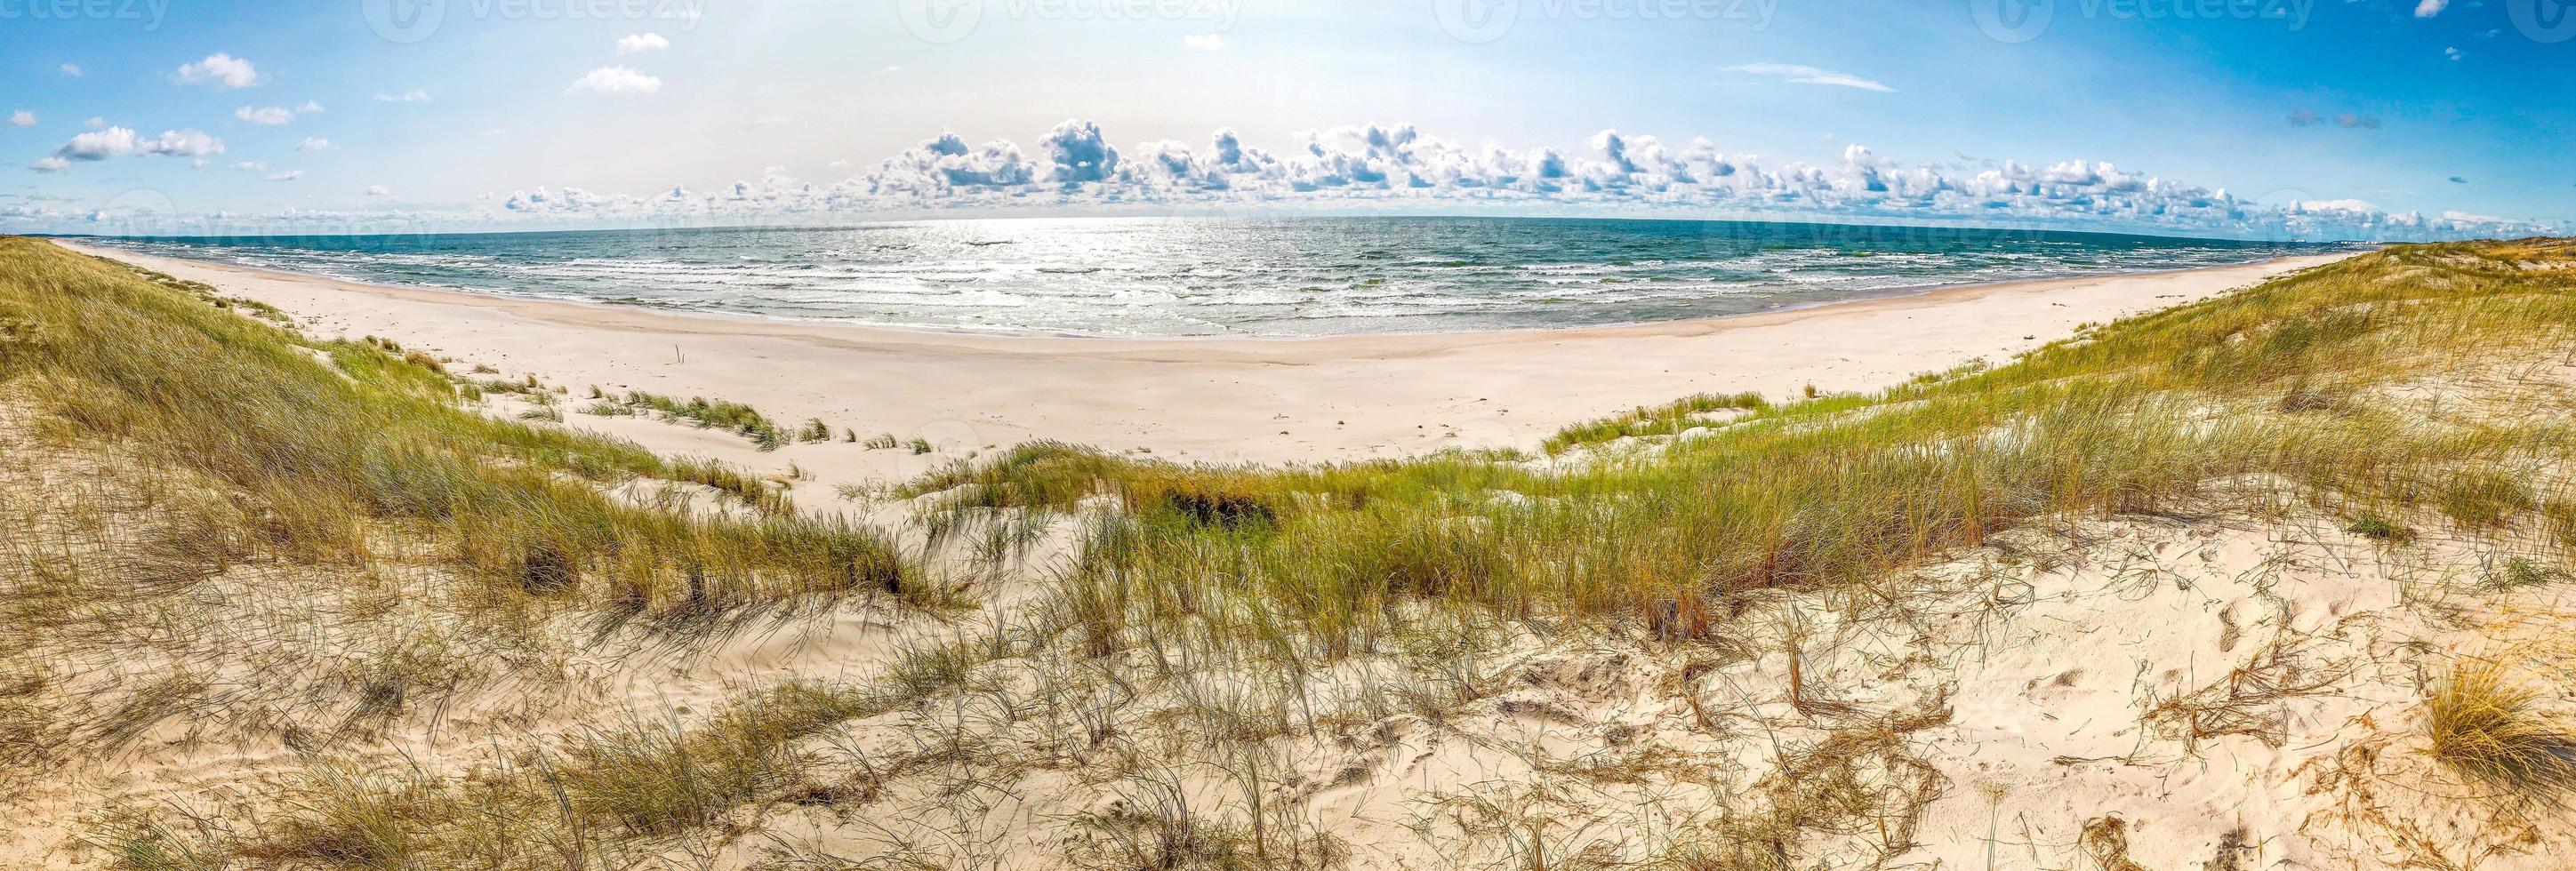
column 496, row 132
column 1204, row 42
column 252, row 166
column 94, row 122
column 886, row 71
column 121, row 142
column 22, row 118
column 49, row 164
column 414, row 95
column 272, row 115
column 616, row 80
column 1799, row 74
column 377, row 190
column 2430, row 8
column 275, row 115
column 2453, row 53
column 289, row 175
column 72, row 70
column 1400, row 168
column 313, row 144
column 638, row 43
column 221, row 70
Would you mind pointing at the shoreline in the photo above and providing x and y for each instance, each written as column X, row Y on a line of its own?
column 1009, row 333
column 1207, row 399
column 1676, row 326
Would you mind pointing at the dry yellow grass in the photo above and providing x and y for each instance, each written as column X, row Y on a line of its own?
column 2493, row 727
column 1209, row 619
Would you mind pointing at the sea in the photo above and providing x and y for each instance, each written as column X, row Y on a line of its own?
column 1175, row 277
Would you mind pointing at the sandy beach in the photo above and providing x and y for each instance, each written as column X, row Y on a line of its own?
column 2110, row 634
column 1219, row 400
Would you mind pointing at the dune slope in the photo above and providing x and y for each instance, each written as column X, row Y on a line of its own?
column 2270, row 579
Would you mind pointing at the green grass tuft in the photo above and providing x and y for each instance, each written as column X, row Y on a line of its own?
column 2493, row 731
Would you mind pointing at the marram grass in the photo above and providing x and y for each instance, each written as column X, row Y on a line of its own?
column 2494, row 730
column 2278, row 392
column 326, row 444
column 2305, row 388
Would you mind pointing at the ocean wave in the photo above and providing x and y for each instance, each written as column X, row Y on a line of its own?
column 1222, row 277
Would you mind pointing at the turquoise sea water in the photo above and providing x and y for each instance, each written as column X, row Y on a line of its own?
column 1207, row 277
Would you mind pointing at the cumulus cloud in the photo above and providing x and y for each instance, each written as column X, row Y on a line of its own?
column 72, row 70
column 49, row 164
column 1401, row 168
column 2454, row 53
column 122, row 142
column 1076, row 152
column 2430, row 8
column 313, row 143
column 377, row 190
column 1204, row 42
column 22, row 118
column 221, row 70
column 1075, row 165
column 275, row 115
column 272, row 115
column 252, row 166
column 289, row 175
column 638, row 43
column 1799, row 74
column 616, row 80
column 414, row 95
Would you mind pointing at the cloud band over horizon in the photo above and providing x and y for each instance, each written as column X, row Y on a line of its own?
column 1075, row 168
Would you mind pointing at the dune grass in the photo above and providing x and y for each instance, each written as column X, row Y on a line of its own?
column 719, row 414
column 327, row 444
column 1669, row 419
column 1226, row 595
column 230, row 529
column 2494, row 731
column 2178, row 411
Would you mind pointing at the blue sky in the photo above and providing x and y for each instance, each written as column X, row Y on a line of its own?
column 2374, row 119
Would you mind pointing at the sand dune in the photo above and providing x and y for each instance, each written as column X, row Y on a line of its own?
column 2277, row 581
column 1215, row 400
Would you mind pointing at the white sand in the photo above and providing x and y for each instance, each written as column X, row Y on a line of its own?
column 2121, row 694
column 1260, row 400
